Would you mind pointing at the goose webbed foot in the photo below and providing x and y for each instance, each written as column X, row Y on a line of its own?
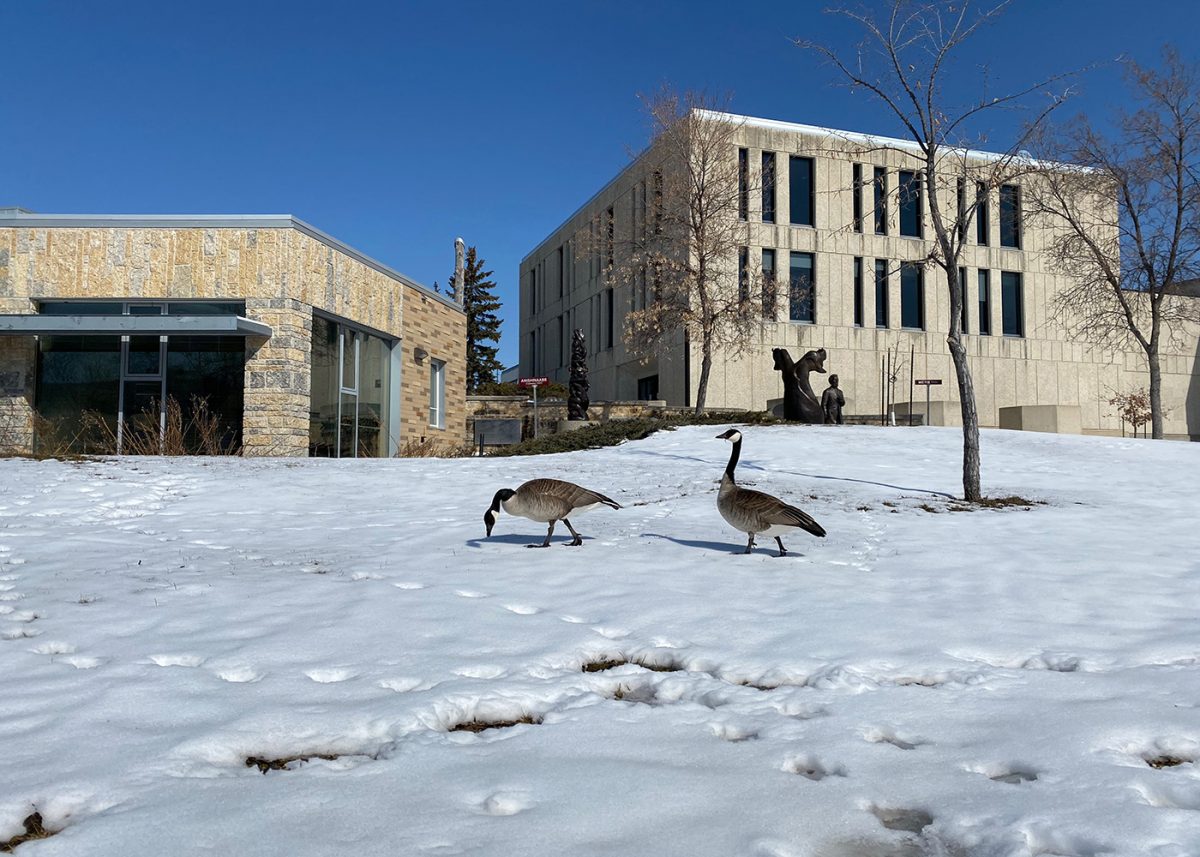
column 542, row 545
column 749, row 545
column 576, row 540
column 782, row 549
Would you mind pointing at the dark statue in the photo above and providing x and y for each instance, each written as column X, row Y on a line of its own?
column 832, row 402
column 577, row 402
column 800, row 403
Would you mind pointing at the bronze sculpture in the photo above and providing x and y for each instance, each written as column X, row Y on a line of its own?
column 832, row 402
column 800, row 403
column 577, row 400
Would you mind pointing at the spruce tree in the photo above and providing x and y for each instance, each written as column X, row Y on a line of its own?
column 483, row 325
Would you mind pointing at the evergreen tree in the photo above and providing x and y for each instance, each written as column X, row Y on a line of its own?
column 483, row 324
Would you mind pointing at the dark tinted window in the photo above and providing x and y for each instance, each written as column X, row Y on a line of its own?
column 881, row 293
column 800, row 187
column 1012, row 303
column 768, row 187
column 912, row 296
column 1010, row 216
column 910, row 204
column 802, row 289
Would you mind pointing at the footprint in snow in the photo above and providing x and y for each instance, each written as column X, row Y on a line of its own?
column 20, row 634
column 366, row 575
column 575, row 620
column 54, row 647
column 611, row 633
column 239, row 675
column 505, row 803
column 404, row 685
column 470, row 593
column 11, row 596
column 177, row 660
column 82, row 662
column 480, row 671
column 408, row 585
column 522, row 609
column 330, row 675
column 887, row 736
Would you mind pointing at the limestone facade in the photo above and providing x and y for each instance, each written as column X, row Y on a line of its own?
column 282, row 268
column 562, row 288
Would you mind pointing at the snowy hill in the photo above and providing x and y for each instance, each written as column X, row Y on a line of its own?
column 1012, row 681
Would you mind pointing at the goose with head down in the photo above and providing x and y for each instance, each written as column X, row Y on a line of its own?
column 546, row 501
column 754, row 512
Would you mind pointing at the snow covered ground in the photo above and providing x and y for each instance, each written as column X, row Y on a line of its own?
column 922, row 681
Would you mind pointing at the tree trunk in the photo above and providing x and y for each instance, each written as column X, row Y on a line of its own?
column 970, row 419
column 1156, row 409
column 705, row 369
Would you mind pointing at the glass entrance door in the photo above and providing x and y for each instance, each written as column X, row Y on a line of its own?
column 143, row 402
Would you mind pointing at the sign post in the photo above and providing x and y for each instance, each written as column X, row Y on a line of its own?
column 535, row 383
column 926, row 383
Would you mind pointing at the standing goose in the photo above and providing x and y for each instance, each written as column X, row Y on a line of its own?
column 754, row 512
column 547, row 501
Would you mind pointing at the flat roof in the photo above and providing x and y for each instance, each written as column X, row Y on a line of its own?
column 124, row 325
column 857, row 137
column 24, row 220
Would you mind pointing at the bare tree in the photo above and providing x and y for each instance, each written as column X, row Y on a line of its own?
column 684, row 260
column 903, row 61
column 1127, row 261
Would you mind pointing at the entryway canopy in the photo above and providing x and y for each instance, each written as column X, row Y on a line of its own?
column 127, row 325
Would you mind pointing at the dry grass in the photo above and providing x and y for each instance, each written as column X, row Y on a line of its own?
column 603, row 664
column 282, row 762
column 478, row 726
column 1160, row 762
column 434, row 449
column 34, row 829
column 200, row 433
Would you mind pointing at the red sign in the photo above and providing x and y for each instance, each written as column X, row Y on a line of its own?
column 928, row 382
column 537, row 382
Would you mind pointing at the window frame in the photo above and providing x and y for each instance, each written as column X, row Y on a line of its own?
column 437, row 393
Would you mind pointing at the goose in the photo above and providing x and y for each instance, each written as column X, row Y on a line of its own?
column 754, row 512
column 547, row 501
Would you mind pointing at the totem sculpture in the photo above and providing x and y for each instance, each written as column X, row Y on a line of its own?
column 799, row 402
column 832, row 402
column 577, row 401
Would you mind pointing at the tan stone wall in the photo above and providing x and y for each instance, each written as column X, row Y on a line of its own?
column 282, row 273
column 441, row 332
column 1044, row 367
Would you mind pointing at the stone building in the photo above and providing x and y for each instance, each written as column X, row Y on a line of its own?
column 839, row 214
column 296, row 343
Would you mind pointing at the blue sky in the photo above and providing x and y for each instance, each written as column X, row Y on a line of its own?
column 396, row 126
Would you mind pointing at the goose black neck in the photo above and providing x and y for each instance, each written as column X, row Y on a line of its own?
column 733, row 458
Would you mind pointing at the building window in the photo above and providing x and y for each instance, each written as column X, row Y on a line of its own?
column 532, row 291
column 881, row 293
column 562, row 271
column 743, row 274
column 960, row 196
column 743, row 184
column 609, row 235
column 910, row 204
column 1010, row 216
column 609, row 320
column 802, row 288
column 437, row 394
column 647, row 388
column 858, row 291
column 768, row 187
column 563, row 348
column 981, row 214
column 962, row 290
column 1012, row 303
column 857, row 205
column 985, row 303
column 768, row 284
column 350, row 392
column 657, row 196
column 912, row 296
column 881, row 213
column 800, row 187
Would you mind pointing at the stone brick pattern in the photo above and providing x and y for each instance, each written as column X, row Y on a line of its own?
column 429, row 326
column 281, row 272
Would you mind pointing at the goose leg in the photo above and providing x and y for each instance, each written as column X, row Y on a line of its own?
column 546, row 543
column 782, row 549
column 749, row 544
column 577, row 540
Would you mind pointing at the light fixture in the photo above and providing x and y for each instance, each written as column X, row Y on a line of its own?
column 419, row 354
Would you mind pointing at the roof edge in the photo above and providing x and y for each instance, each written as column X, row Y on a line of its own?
column 215, row 221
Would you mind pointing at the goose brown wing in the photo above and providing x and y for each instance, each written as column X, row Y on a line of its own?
column 772, row 510
column 571, row 495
